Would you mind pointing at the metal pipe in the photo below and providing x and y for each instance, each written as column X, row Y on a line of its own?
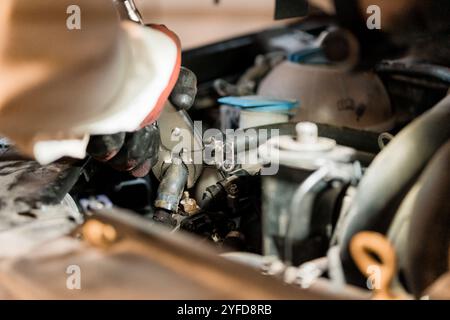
column 300, row 211
column 171, row 187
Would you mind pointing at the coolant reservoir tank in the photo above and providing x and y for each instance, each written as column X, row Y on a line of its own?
column 331, row 96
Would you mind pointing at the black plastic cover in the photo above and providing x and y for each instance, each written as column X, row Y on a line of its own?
column 285, row 9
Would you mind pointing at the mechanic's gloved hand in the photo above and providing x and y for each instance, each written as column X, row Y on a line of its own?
column 185, row 90
column 135, row 152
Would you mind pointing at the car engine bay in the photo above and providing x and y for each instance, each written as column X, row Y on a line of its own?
column 292, row 165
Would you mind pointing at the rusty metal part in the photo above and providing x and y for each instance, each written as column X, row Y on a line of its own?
column 171, row 187
column 189, row 204
column 164, row 217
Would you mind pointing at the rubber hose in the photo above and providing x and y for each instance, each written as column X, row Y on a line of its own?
column 390, row 176
column 428, row 244
column 436, row 72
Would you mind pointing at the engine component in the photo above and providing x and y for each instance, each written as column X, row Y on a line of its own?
column 428, row 240
column 170, row 191
column 375, row 205
column 250, row 80
column 184, row 93
column 332, row 96
column 292, row 229
column 341, row 47
column 255, row 111
column 179, row 137
column 189, row 204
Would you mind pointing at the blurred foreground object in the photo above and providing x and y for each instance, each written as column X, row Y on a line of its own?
column 290, row 9
column 58, row 90
column 140, row 261
column 440, row 290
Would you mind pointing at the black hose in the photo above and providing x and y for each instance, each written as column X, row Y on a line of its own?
column 422, row 70
column 390, row 176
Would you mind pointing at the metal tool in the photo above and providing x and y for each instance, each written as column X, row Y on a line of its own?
column 128, row 11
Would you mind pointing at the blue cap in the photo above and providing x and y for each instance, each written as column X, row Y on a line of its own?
column 259, row 104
